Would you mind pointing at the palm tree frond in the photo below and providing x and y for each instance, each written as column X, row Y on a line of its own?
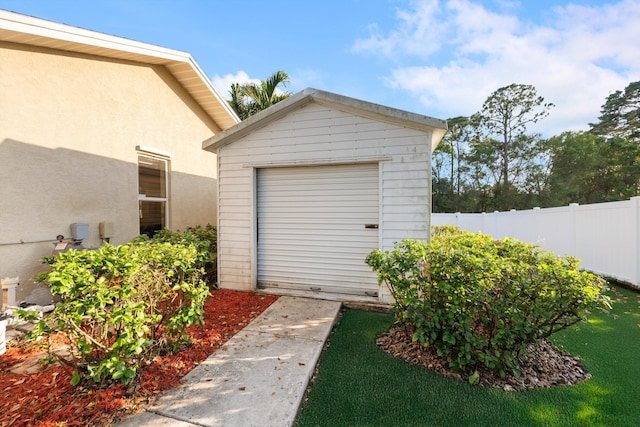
column 249, row 98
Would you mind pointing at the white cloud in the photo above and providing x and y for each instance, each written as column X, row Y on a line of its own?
column 304, row 78
column 223, row 83
column 579, row 56
column 419, row 33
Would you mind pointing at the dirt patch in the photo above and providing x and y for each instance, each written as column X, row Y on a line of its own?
column 545, row 365
column 46, row 398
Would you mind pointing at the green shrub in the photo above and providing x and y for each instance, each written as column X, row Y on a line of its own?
column 204, row 238
column 123, row 305
column 480, row 301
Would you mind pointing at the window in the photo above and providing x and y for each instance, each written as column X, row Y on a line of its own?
column 152, row 193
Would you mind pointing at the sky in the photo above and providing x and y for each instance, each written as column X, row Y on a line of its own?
column 439, row 58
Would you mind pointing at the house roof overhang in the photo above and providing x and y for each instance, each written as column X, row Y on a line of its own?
column 27, row 30
column 436, row 127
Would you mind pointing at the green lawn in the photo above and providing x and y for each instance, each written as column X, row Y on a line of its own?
column 360, row 385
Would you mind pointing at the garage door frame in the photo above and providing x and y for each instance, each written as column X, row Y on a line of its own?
column 371, row 291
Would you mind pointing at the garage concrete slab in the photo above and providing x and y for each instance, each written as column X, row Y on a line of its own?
column 258, row 378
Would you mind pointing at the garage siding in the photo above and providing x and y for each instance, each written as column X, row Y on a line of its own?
column 317, row 134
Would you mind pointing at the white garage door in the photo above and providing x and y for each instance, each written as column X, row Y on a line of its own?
column 316, row 225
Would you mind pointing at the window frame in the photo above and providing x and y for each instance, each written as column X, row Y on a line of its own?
column 165, row 159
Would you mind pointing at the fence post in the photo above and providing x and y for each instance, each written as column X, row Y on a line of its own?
column 513, row 232
column 483, row 225
column 635, row 206
column 574, row 227
column 536, row 220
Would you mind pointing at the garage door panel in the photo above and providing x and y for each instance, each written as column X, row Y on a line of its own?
column 357, row 183
column 313, row 212
column 300, row 278
column 339, row 268
column 298, row 232
column 322, row 199
column 335, row 237
column 287, row 219
column 337, row 258
column 311, row 227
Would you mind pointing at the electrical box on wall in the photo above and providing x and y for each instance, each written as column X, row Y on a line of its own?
column 106, row 230
column 79, row 231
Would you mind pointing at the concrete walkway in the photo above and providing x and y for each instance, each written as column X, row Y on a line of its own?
column 258, row 378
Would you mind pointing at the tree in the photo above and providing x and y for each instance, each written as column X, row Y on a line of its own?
column 488, row 161
column 483, row 177
column 619, row 124
column 575, row 160
column 505, row 116
column 588, row 168
column 239, row 102
column 620, row 171
column 250, row 98
column 449, row 165
column 620, row 115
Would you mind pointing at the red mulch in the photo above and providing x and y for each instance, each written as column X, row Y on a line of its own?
column 47, row 399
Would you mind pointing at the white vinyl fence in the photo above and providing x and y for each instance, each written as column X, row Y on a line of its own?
column 605, row 236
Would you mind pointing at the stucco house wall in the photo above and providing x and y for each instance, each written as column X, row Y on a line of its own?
column 318, row 129
column 71, row 127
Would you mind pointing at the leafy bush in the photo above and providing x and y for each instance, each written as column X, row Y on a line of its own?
column 204, row 238
column 123, row 305
column 480, row 301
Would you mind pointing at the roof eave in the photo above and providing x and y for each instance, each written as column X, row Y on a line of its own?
column 22, row 29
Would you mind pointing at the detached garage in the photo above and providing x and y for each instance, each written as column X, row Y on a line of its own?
column 310, row 186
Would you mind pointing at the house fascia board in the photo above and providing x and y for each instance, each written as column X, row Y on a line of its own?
column 43, row 29
column 436, row 127
column 28, row 30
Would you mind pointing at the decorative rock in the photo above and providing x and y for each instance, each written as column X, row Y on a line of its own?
column 543, row 367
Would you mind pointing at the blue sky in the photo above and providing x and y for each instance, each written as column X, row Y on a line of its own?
column 437, row 58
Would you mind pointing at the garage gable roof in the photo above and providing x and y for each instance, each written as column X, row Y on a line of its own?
column 355, row 106
column 27, row 30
